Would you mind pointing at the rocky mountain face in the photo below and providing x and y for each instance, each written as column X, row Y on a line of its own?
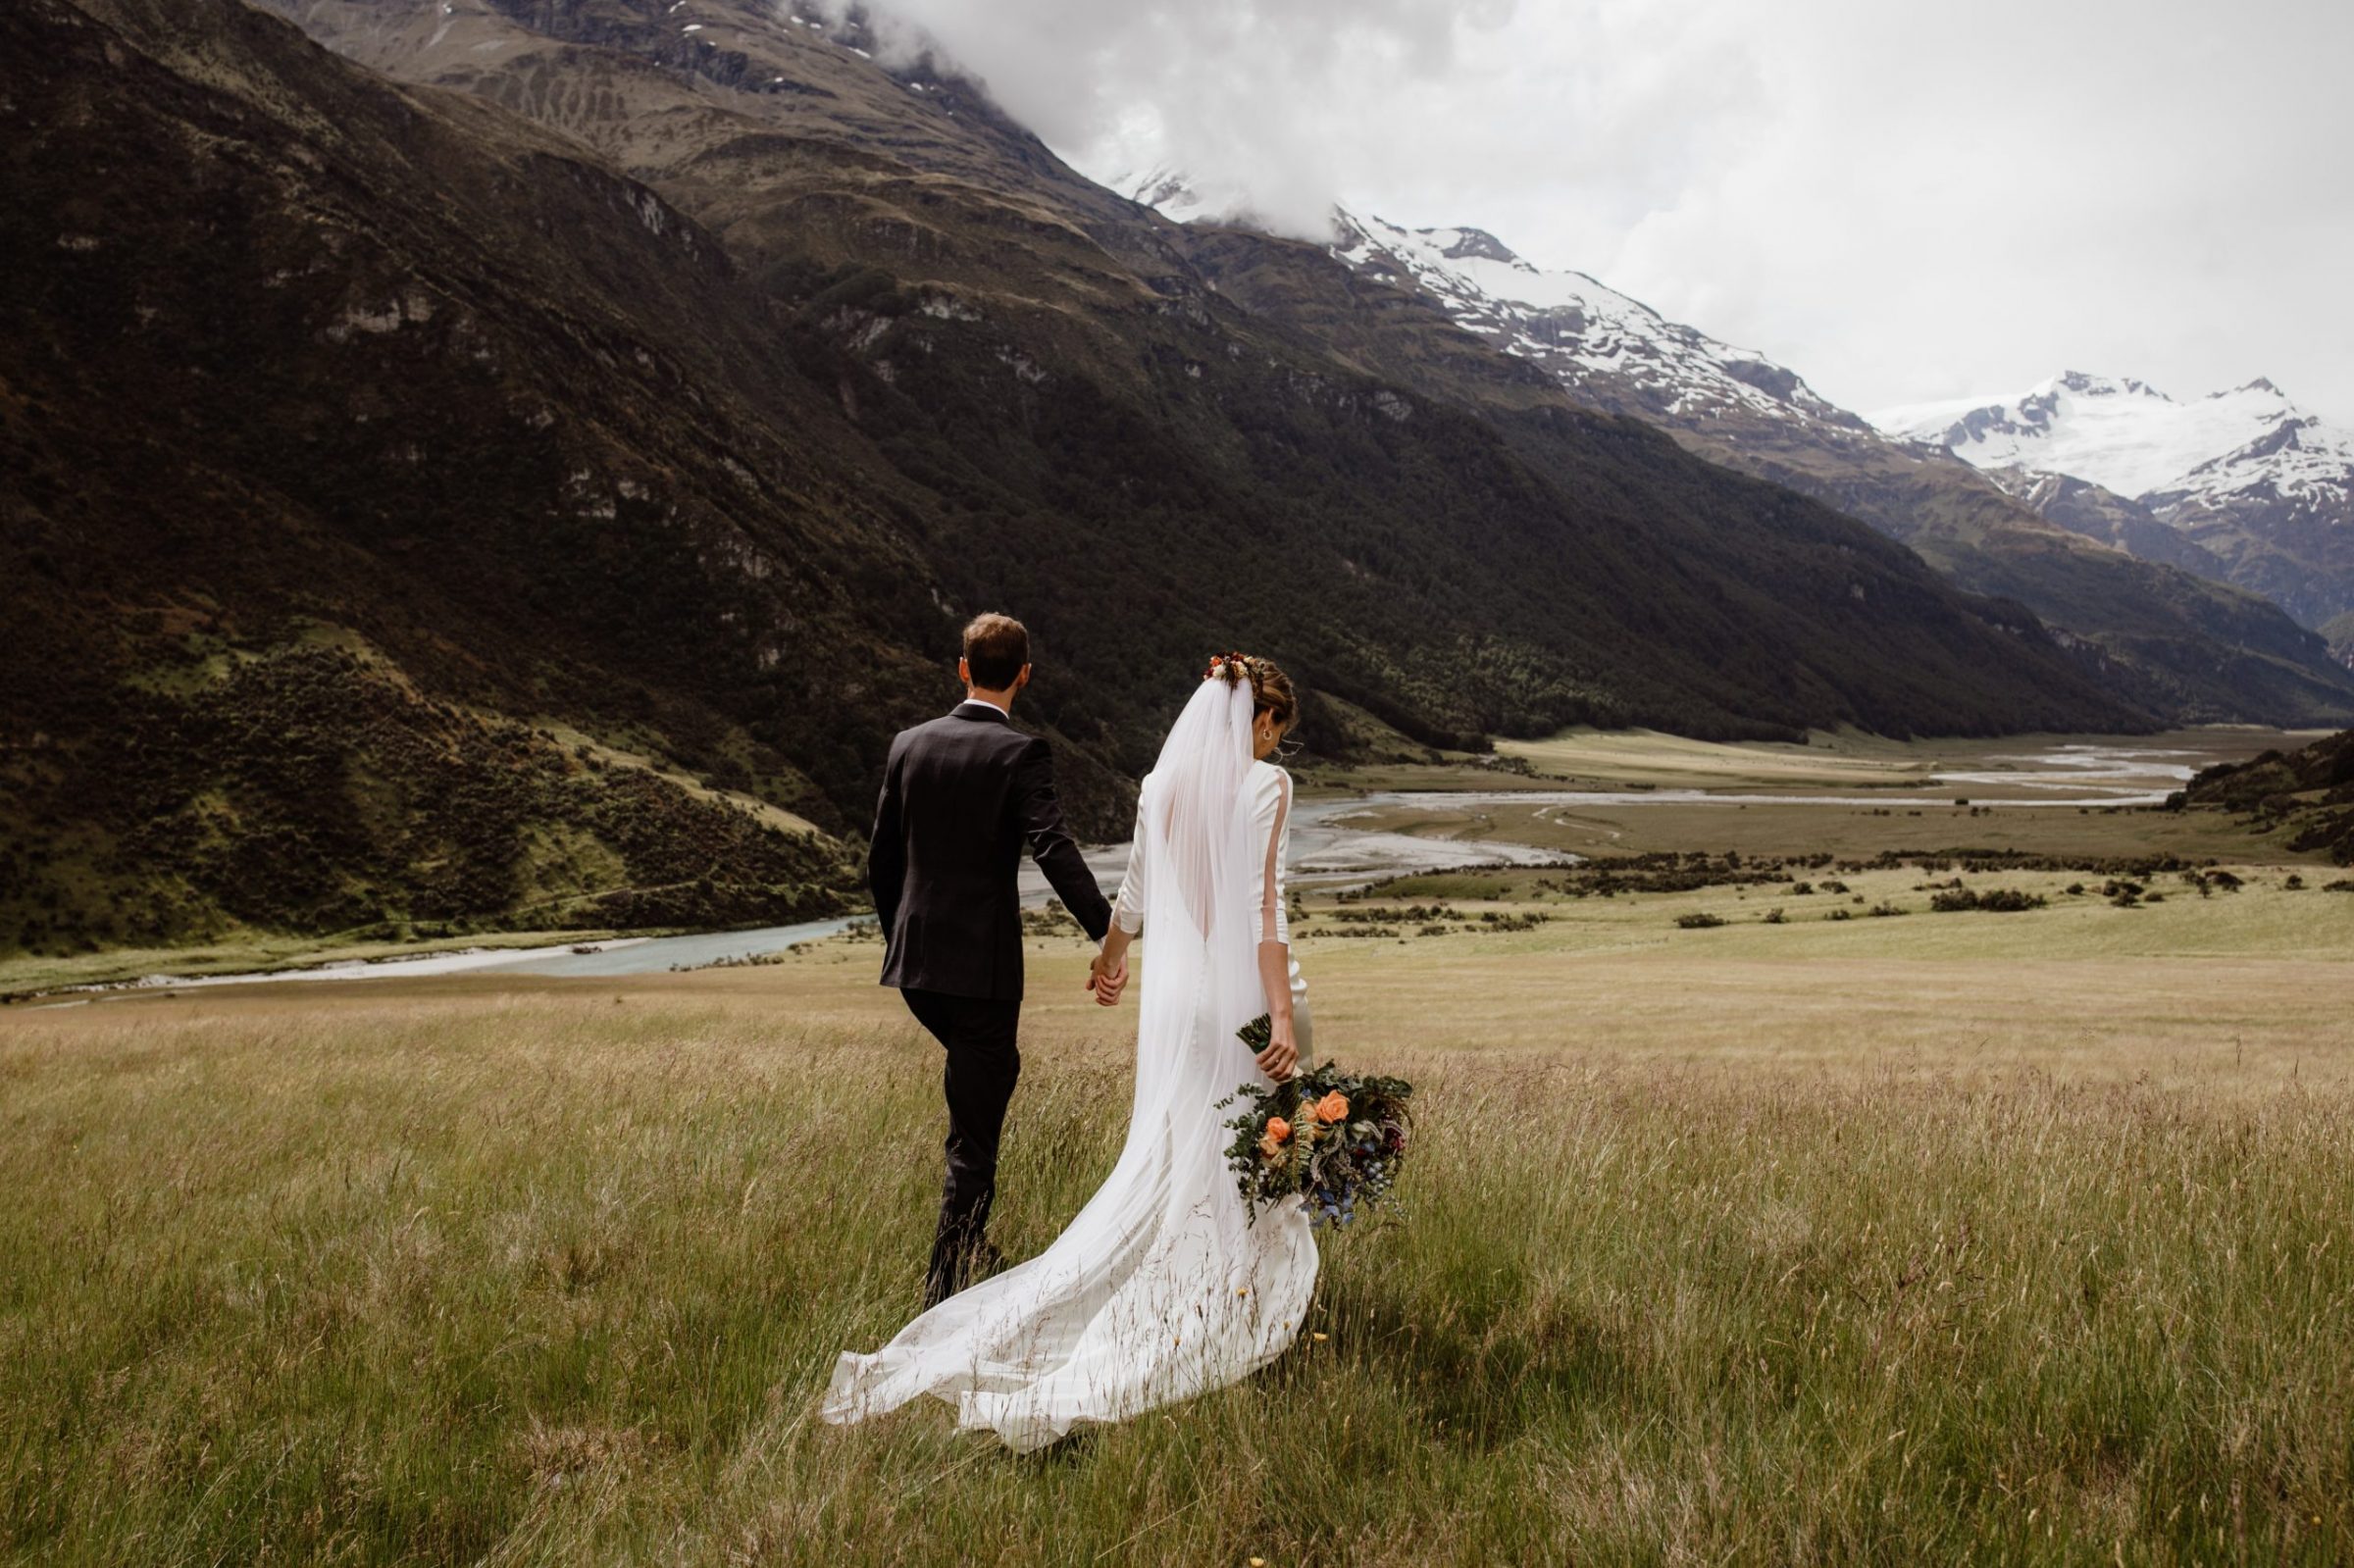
column 2146, row 609
column 521, row 468
column 2257, row 491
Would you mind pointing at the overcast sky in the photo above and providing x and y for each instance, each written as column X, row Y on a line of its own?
column 1901, row 201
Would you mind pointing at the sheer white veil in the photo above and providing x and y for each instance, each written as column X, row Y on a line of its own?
column 1202, row 901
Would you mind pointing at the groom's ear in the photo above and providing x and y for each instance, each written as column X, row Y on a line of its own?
column 1022, row 679
column 964, row 671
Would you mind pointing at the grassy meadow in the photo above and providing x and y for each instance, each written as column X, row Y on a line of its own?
column 1941, row 1238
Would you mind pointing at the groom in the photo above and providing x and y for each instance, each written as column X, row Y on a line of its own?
column 960, row 794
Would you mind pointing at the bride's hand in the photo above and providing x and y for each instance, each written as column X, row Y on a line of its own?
column 1281, row 1054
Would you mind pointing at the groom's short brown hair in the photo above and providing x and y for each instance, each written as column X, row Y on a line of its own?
column 995, row 648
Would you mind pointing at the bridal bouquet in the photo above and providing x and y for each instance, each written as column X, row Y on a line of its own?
column 1329, row 1137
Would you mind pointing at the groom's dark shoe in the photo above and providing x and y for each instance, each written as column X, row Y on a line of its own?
column 958, row 1267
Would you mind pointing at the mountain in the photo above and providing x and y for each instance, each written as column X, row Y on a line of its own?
column 1046, row 363
column 522, row 473
column 2154, row 622
column 1619, row 353
column 2263, row 489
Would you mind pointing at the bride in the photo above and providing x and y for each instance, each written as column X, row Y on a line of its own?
column 1163, row 1286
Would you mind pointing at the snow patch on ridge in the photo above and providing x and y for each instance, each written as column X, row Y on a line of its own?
column 1588, row 334
column 1615, row 351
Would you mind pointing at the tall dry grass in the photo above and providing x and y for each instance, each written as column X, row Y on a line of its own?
column 557, row 1280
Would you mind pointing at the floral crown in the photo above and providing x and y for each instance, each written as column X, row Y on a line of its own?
column 1231, row 668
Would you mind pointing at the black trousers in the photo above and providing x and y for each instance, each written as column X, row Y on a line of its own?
column 978, row 1036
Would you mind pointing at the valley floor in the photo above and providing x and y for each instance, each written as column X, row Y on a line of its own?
column 1907, row 797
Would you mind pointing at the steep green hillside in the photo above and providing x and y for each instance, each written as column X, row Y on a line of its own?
column 289, row 355
column 374, row 812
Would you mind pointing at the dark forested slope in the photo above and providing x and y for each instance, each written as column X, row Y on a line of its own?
column 2307, row 796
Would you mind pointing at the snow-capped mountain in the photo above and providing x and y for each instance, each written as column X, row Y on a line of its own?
column 2256, row 481
column 1619, row 352
column 2127, row 437
column 1615, row 351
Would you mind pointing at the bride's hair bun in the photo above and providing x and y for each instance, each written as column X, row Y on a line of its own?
column 1271, row 688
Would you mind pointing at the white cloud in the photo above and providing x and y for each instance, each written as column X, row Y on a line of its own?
column 1900, row 201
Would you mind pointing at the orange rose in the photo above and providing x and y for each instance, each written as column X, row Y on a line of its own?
column 1332, row 1108
column 1278, row 1129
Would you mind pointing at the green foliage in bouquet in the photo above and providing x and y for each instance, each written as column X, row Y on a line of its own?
column 1329, row 1137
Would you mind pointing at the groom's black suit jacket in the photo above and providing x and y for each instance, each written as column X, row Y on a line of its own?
column 960, row 795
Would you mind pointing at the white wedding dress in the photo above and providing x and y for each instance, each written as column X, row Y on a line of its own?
column 1163, row 1287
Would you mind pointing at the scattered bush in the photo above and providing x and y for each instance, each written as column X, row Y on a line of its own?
column 1699, row 920
column 2000, row 900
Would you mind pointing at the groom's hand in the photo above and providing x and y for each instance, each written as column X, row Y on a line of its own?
column 1107, row 982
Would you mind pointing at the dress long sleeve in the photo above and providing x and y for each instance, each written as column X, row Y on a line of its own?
column 1128, row 910
column 1270, row 911
column 1271, row 823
